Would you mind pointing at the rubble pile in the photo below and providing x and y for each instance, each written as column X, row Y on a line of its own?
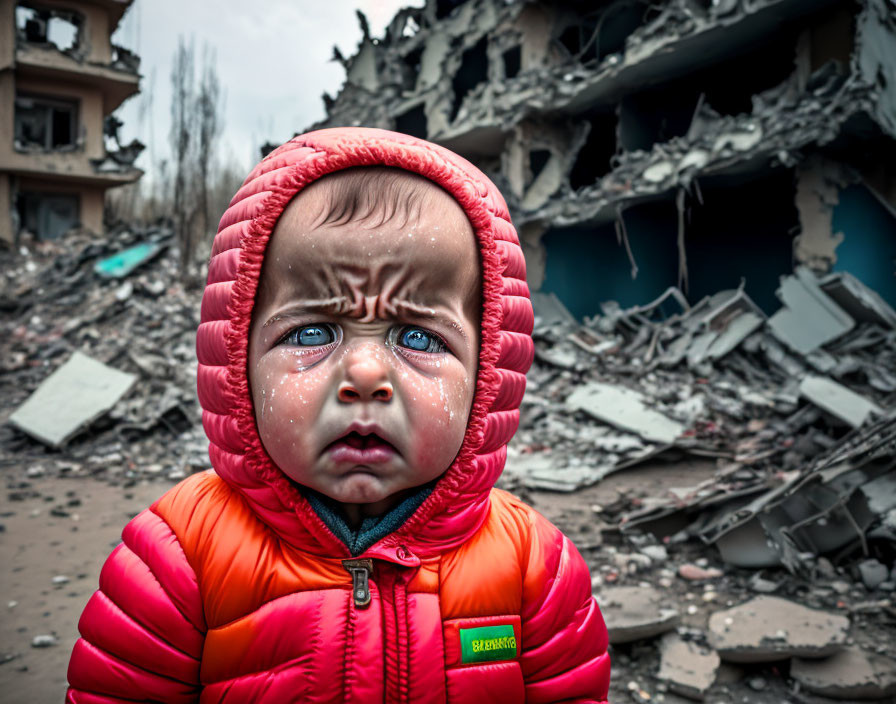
column 119, row 307
column 793, row 600
column 765, row 396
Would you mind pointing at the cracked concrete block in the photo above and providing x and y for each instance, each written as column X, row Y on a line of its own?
column 686, row 667
column 625, row 409
column 849, row 675
column 77, row 393
column 636, row 613
column 767, row 628
column 838, row 400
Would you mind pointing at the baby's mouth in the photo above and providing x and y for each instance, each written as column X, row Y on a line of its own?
column 354, row 449
column 363, row 442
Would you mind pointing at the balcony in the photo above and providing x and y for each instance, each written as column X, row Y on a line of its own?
column 51, row 46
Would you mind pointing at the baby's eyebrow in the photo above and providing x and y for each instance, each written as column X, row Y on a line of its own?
column 409, row 308
column 333, row 306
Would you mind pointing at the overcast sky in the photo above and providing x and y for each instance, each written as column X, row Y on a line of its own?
column 273, row 59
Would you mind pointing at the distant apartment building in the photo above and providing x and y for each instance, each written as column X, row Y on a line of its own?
column 61, row 78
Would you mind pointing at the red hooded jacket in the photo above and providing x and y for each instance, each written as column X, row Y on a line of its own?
column 231, row 587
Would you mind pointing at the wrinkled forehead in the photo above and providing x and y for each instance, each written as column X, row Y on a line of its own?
column 427, row 232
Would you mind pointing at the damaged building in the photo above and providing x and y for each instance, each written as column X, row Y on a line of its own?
column 684, row 143
column 61, row 79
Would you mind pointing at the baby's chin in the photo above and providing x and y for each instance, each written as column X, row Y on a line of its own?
column 360, row 487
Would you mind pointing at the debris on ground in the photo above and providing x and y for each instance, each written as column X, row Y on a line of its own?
column 102, row 315
column 849, row 674
column 70, row 398
column 688, row 667
column 635, row 613
column 768, row 628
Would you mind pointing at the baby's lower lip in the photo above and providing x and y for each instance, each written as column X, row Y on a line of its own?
column 342, row 452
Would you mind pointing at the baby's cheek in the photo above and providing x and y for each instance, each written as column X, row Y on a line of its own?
column 440, row 426
column 287, row 400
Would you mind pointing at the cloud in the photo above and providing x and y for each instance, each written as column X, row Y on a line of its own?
column 273, row 61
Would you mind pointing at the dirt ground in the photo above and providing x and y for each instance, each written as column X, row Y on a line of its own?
column 55, row 528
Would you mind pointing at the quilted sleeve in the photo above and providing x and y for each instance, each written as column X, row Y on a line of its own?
column 142, row 632
column 564, row 650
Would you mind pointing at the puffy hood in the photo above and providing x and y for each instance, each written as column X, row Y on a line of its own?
column 459, row 503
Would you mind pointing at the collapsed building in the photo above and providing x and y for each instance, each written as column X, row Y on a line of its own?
column 706, row 199
column 642, row 145
column 61, row 78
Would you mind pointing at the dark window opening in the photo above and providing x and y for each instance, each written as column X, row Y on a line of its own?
column 56, row 27
column 473, row 71
column 729, row 87
column 412, row 67
column 588, row 265
column 44, row 123
column 594, row 158
column 538, row 159
column 412, row 122
column 655, row 116
column 512, row 61
column 596, row 35
column 48, row 215
column 446, row 7
column 571, row 39
column 619, row 21
column 659, row 114
column 729, row 238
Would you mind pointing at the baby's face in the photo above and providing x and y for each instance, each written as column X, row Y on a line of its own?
column 364, row 348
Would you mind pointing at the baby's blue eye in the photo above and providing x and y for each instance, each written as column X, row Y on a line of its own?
column 420, row 340
column 311, row 335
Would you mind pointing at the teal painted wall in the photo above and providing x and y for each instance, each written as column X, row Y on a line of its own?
column 868, row 249
column 741, row 230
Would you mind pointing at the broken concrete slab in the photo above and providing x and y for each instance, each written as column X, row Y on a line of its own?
column 636, row 613
column 838, row 400
column 549, row 309
column 736, row 331
column 809, row 317
column 686, row 667
column 857, row 299
column 626, row 409
column 77, row 393
column 849, row 675
column 768, row 628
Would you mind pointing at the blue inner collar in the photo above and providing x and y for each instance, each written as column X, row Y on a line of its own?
column 373, row 528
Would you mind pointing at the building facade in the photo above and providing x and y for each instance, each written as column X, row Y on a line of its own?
column 642, row 145
column 61, row 78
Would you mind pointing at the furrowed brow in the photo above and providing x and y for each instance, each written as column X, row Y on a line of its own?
column 331, row 306
column 413, row 309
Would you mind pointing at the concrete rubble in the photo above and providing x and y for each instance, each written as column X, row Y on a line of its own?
column 769, row 628
column 71, row 397
column 636, row 613
column 849, row 675
column 688, row 667
column 125, row 322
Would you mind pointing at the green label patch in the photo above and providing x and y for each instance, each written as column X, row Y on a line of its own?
column 487, row 643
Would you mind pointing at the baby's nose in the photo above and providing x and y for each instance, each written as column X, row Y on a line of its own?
column 366, row 379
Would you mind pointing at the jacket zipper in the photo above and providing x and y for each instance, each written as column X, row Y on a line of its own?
column 361, row 572
column 393, row 602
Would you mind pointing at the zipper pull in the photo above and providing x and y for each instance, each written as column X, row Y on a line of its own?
column 361, row 572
